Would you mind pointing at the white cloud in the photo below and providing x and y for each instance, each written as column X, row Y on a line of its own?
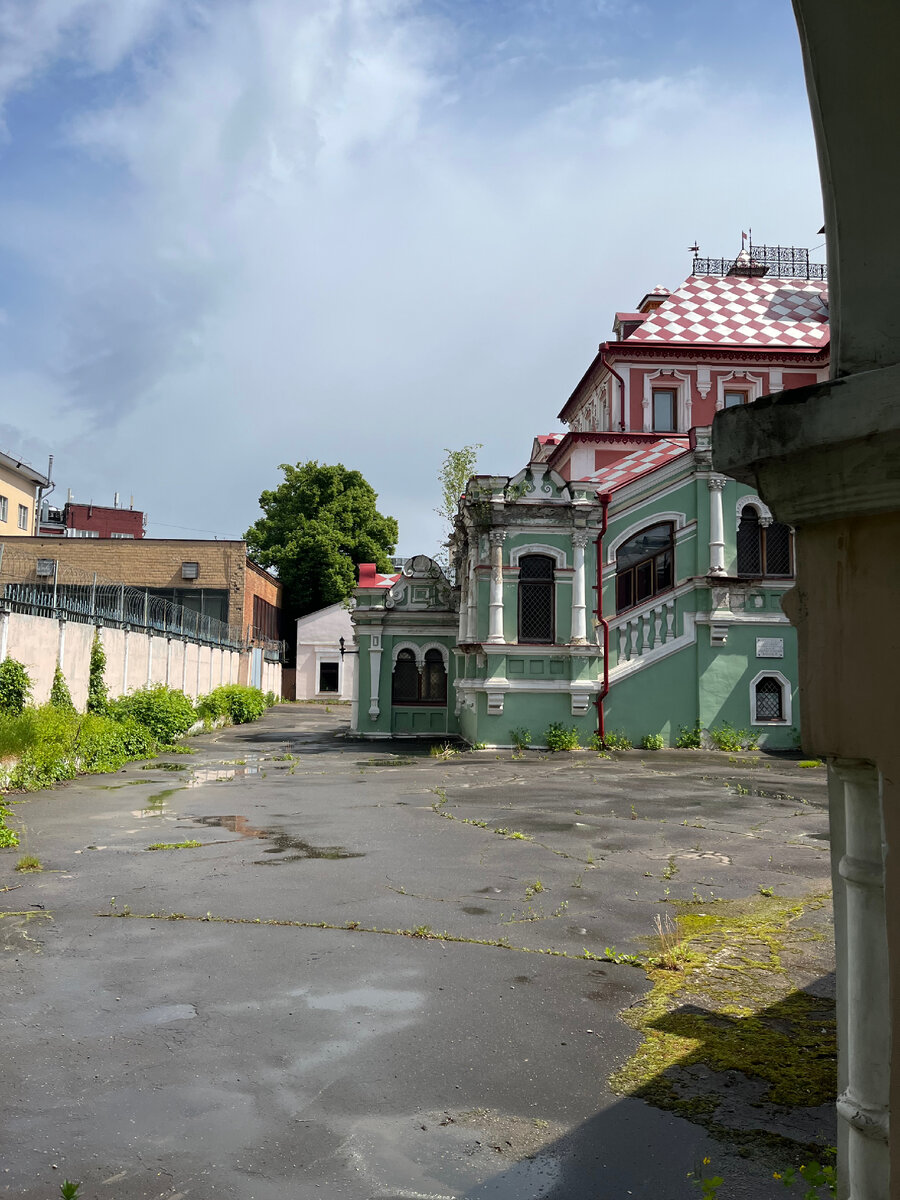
column 317, row 249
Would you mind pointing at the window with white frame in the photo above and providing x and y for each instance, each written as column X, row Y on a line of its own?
column 23, row 516
column 329, row 677
column 664, row 401
column 734, row 399
column 536, row 587
column 645, row 565
column 770, row 699
column 764, row 547
column 410, row 685
column 4, row 508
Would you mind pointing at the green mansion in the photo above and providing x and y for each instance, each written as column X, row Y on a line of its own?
column 617, row 583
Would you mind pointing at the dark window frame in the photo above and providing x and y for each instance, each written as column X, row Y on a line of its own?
column 628, row 579
column 329, row 691
column 776, row 688
column 536, row 590
column 424, row 680
column 753, row 546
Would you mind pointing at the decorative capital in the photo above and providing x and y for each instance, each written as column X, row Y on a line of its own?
column 715, row 483
column 580, row 538
column 498, row 537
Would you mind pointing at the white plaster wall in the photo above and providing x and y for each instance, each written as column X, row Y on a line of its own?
column 318, row 637
column 35, row 642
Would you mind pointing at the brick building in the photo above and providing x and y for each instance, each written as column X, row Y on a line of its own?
column 213, row 578
column 91, row 520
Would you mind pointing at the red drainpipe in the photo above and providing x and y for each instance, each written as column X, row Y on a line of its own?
column 598, row 613
column 612, row 370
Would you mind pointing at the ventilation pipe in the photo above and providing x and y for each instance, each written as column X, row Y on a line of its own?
column 604, row 346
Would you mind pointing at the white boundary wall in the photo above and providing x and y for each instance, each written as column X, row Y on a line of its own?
column 134, row 658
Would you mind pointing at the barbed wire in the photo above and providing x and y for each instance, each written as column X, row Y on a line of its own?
column 44, row 586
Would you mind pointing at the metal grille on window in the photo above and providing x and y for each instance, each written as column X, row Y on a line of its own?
column 768, row 700
column 434, row 678
column 778, row 550
column 536, row 598
column 749, row 543
column 405, row 688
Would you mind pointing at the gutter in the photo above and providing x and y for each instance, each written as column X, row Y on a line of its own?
column 601, row 620
column 604, row 362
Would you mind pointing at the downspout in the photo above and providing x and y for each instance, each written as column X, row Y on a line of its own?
column 598, row 614
column 612, row 370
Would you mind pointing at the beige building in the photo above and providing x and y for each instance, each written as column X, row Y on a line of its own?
column 20, row 492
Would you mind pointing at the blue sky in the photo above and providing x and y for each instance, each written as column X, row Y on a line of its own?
column 235, row 233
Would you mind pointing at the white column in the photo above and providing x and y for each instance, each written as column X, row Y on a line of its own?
column 184, row 647
column 495, row 627
column 716, row 526
column 125, row 663
column 579, row 607
column 61, row 647
column 463, row 603
column 864, row 1028
column 374, row 675
column 472, row 602
column 149, row 636
column 4, row 631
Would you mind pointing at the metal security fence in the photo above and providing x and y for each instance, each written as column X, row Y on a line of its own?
column 46, row 587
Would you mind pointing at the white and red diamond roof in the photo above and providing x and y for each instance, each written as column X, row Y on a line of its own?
column 736, row 311
column 629, row 467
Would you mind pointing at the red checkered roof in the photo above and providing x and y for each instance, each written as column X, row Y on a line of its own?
column 370, row 576
column 623, row 470
column 737, row 311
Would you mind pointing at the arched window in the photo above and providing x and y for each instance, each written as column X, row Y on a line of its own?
column 405, row 688
column 763, row 550
column 536, row 598
column 645, row 565
column 769, row 700
column 410, row 686
column 434, row 679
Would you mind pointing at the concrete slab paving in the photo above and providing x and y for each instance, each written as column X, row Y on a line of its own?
column 218, row 1055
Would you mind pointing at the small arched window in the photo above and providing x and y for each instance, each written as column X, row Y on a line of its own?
column 769, row 700
column 536, row 598
column 434, row 679
column 645, row 565
column 763, row 550
column 405, row 688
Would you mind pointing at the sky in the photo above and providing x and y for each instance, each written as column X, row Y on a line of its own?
column 239, row 233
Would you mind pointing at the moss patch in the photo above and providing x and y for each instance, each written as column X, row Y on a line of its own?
column 729, row 1040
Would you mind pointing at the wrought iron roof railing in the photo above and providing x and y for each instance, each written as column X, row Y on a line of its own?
column 46, row 587
column 776, row 262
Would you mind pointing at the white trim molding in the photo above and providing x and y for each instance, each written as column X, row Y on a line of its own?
column 518, row 552
column 677, row 518
column 445, row 653
column 682, row 398
column 785, row 698
column 744, row 381
column 418, row 653
column 763, row 511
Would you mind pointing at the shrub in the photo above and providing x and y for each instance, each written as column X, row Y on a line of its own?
column 97, row 700
column 271, row 699
column 726, row 737
column 521, row 738
column 15, row 686
column 166, row 712
column 558, row 737
column 7, row 836
column 60, row 743
column 60, row 696
column 239, row 704
column 689, row 739
column 652, row 741
column 616, row 741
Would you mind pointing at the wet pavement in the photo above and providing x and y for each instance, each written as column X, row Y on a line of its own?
column 184, row 1024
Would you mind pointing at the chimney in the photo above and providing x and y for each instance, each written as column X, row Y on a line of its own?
column 69, row 496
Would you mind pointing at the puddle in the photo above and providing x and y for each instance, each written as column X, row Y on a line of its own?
column 155, row 805
column 384, row 762
column 474, row 911
column 288, row 849
column 164, row 766
column 203, row 775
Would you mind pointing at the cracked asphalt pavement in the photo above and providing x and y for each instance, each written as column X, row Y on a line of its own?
column 218, row 1055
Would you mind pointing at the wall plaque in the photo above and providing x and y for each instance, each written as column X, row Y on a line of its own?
column 770, row 647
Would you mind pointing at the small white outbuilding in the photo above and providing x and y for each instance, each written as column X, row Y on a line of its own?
column 322, row 672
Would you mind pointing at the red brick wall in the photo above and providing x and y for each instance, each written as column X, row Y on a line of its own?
column 104, row 520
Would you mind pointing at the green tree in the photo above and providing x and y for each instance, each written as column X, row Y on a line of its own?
column 60, row 696
column 97, row 701
column 318, row 526
column 456, row 471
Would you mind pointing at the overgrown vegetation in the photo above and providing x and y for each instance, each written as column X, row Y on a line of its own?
column 28, row 863
column 233, row 701
column 559, row 738
column 166, row 712
column 616, row 741
column 689, row 738
column 97, row 700
column 15, row 686
column 60, row 696
column 726, row 737
column 652, row 741
column 521, row 739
